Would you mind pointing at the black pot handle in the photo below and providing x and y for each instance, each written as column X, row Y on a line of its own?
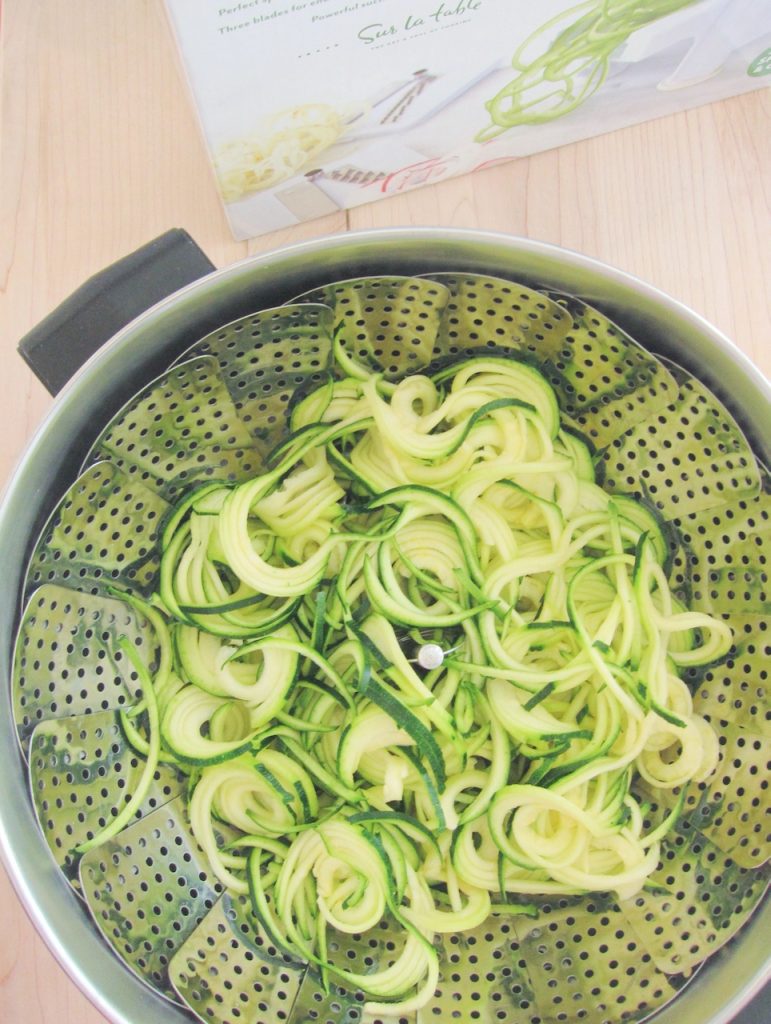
column 109, row 300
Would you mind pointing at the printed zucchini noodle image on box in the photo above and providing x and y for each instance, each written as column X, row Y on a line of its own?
column 313, row 106
column 285, row 143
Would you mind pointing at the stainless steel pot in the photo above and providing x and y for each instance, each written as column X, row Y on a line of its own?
column 135, row 354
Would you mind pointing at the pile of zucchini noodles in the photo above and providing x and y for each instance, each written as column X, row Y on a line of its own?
column 353, row 786
column 283, row 146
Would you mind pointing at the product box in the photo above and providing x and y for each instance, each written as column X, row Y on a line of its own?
column 312, row 106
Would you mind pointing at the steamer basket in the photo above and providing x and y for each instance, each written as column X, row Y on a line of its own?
column 149, row 890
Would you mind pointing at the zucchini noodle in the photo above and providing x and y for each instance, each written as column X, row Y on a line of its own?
column 359, row 789
column 286, row 143
column 566, row 60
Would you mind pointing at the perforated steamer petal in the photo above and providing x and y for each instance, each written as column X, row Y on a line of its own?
column 485, row 976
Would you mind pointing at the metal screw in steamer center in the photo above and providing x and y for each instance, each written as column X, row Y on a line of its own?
column 430, row 656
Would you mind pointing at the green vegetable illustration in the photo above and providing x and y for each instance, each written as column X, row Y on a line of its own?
column 573, row 66
column 761, row 65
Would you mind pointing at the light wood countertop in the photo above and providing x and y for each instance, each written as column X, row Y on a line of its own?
column 101, row 152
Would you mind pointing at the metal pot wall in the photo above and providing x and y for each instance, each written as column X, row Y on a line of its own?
column 136, row 353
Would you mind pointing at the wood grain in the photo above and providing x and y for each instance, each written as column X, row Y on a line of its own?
column 101, row 152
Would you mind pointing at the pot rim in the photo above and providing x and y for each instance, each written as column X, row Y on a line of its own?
column 30, row 885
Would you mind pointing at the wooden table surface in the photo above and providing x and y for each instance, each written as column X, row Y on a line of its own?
column 101, row 152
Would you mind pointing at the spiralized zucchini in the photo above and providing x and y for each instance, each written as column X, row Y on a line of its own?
column 566, row 60
column 455, row 510
column 287, row 141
